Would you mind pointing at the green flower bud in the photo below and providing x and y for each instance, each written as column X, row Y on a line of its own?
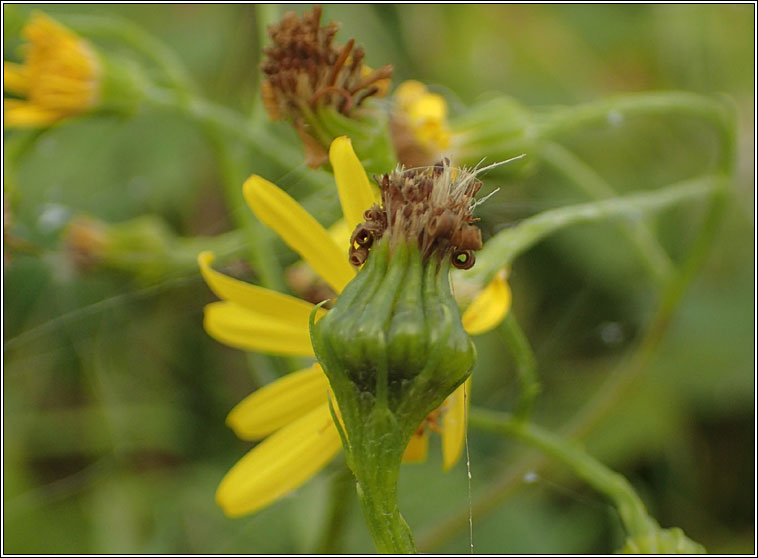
column 662, row 541
column 395, row 334
column 144, row 247
column 393, row 346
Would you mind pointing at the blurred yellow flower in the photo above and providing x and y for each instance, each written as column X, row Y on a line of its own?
column 291, row 415
column 419, row 124
column 60, row 76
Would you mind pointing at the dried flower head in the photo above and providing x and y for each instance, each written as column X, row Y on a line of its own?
column 431, row 206
column 304, row 69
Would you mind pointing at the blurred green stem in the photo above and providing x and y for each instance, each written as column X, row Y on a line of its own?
column 591, row 183
column 505, row 246
column 260, row 140
column 665, row 103
column 258, row 238
column 141, row 41
column 601, row 478
column 258, row 241
column 672, row 293
column 206, row 112
column 215, row 119
column 217, row 122
column 340, row 496
column 526, row 365
column 595, row 410
column 265, row 15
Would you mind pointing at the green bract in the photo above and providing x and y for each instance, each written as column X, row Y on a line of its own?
column 393, row 348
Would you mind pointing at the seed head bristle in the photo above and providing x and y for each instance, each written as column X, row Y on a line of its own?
column 430, row 206
column 304, row 68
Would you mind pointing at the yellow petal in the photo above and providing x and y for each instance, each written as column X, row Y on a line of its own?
column 454, row 424
column 276, row 209
column 489, row 308
column 341, row 233
column 238, row 327
column 428, row 107
column 418, row 448
column 278, row 404
column 279, row 464
column 355, row 192
column 254, row 298
column 43, row 28
column 21, row 114
column 409, row 91
column 14, row 78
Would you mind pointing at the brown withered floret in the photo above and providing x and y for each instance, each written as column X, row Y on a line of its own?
column 304, row 69
column 431, row 206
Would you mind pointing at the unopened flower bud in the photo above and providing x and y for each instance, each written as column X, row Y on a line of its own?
column 393, row 346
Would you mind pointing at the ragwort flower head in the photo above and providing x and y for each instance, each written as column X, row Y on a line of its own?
column 292, row 415
column 498, row 128
column 394, row 346
column 63, row 75
column 419, row 124
column 430, row 206
column 60, row 76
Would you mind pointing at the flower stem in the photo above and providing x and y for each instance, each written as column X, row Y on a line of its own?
column 671, row 296
column 378, row 498
column 526, row 365
column 614, row 388
column 585, row 177
column 664, row 103
column 334, row 529
column 506, row 245
column 140, row 41
column 613, row 485
column 257, row 236
column 374, row 458
column 265, row 144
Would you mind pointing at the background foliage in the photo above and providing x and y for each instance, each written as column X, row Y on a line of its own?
column 114, row 397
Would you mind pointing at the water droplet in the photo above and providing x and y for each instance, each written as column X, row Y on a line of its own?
column 53, row 217
column 611, row 333
column 615, row 118
column 531, row 477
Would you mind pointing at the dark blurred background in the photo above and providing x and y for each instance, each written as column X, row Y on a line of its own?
column 114, row 398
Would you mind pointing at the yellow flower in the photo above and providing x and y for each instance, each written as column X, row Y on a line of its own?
column 291, row 415
column 419, row 124
column 60, row 76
